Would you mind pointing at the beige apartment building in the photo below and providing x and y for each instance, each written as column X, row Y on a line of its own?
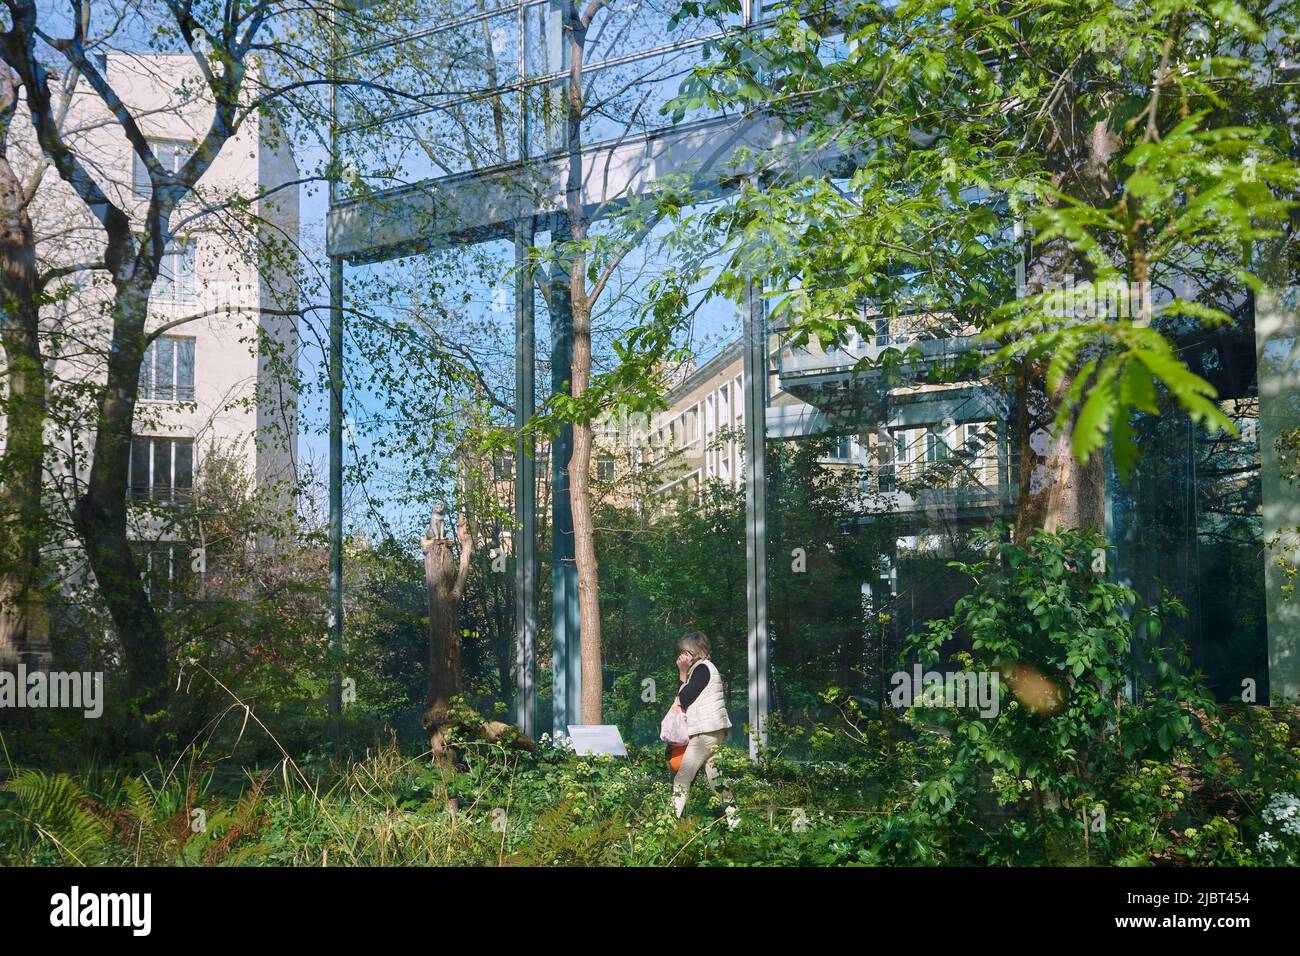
column 940, row 445
column 207, row 385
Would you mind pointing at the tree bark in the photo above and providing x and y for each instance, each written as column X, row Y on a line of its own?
column 584, row 538
column 584, row 545
column 22, row 462
column 1056, row 490
column 444, row 579
column 101, row 516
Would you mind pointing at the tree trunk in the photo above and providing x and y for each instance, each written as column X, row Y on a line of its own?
column 22, row 462
column 101, row 515
column 584, row 539
column 1057, row 491
column 584, row 544
column 444, row 579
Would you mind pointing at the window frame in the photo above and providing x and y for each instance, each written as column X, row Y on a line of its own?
column 177, row 390
column 172, row 154
column 149, row 490
column 170, row 286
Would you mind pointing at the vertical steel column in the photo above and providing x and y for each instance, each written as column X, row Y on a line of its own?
column 335, row 651
column 754, row 333
column 755, row 397
column 525, row 549
column 1277, row 342
column 336, row 498
column 526, row 557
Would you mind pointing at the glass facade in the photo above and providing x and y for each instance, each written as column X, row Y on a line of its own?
column 798, row 506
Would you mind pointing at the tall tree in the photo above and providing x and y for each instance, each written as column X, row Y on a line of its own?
column 22, row 461
column 598, row 229
column 228, row 93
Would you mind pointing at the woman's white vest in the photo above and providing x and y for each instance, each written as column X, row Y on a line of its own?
column 709, row 712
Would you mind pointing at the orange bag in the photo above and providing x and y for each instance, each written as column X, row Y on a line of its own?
column 675, row 754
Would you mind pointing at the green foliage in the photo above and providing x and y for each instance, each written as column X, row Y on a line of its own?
column 555, row 840
column 1067, row 646
column 58, row 811
column 886, row 801
column 1148, row 145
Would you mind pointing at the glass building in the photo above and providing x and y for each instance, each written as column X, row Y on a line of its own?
column 839, row 496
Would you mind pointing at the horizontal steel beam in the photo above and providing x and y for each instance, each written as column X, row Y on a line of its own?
column 483, row 204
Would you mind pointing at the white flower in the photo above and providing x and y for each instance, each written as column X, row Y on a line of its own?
column 1283, row 809
column 1266, row 843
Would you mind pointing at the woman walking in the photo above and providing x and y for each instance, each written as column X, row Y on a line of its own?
column 707, row 722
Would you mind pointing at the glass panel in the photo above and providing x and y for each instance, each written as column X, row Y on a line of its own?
column 633, row 26
column 176, row 277
column 146, row 372
column 140, row 461
column 184, row 370
column 183, row 469
column 670, row 542
column 875, row 485
column 432, row 70
column 1189, row 518
column 626, row 99
column 186, row 269
column 164, row 369
column 430, row 373
column 543, row 39
column 466, row 134
column 161, row 481
column 389, row 21
column 139, row 176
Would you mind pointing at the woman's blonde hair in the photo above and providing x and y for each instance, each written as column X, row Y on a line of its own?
column 695, row 644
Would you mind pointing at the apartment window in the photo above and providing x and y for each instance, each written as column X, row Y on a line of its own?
column 176, row 280
column 166, row 569
column 167, row 372
column 171, row 156
column 902, row 448
column 936, row 449
column 503, row 466
column 162, row 469
column 605, row 468
column 841, row 448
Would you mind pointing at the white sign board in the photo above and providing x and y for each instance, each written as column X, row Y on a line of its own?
column 597, row 739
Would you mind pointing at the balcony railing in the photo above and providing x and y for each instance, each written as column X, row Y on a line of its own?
column 168, row 494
